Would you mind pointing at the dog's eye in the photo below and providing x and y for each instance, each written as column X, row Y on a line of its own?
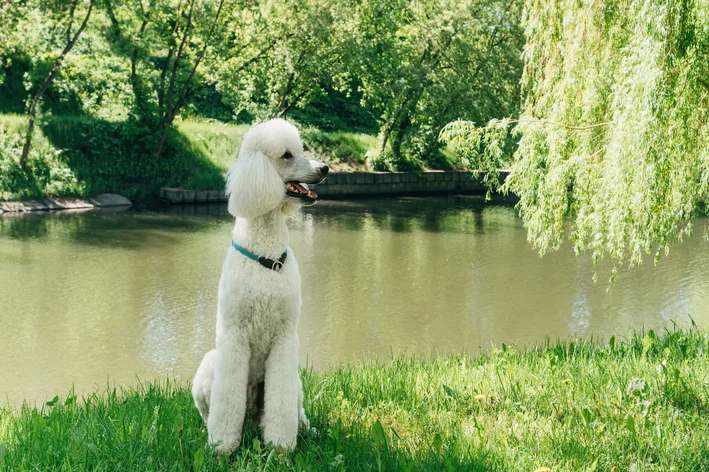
column 287, row 155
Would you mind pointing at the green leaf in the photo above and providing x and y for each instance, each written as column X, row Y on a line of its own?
column 648, row 342
column 379, row 436
column 587, row 416
column 438, row 442
column 198, row 460
column 451, row 393
column 630, row 423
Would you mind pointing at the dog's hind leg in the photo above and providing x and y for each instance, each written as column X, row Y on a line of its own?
column 229, row 389
column 301, row 411
column 202, row 384
column 281, row 399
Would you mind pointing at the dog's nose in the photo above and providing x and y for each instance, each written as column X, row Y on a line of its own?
column 324, row 170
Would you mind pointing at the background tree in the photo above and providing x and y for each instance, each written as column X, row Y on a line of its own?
column 166, row 43
column 425, row 63
column 281, row 55
column 614, row 131
column 59, row 18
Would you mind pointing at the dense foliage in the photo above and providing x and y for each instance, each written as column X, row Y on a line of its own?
column 399, row 69
column 614, row 130
column 424, row 64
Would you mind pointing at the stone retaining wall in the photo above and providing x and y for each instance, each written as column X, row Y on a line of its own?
column 357, row 184
column 361, row 184
column 104, row 200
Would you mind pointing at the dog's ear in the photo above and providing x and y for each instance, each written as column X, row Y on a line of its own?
column 253, row 186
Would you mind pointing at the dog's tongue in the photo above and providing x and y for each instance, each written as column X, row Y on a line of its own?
column 298, row 188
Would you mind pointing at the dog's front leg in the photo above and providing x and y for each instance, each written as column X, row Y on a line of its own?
column 228, row 400
column 281, row 398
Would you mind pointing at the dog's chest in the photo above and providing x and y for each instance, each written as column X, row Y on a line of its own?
column 259, row 303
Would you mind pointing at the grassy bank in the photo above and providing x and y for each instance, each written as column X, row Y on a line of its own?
column 639, row 403
column 83, row 155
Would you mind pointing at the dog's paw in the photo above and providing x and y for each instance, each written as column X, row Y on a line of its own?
column 282, row 445
column 304, row 421
column 224, row 449
column 224, row 444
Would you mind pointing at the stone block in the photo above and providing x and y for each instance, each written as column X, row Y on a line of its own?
column 369, row 178
column 359, row 178
column 66, row 203
column 440, row 175
column 371, row 189
column 212, row 196
column 200, row 196
column 348, row 189
column 222, row 196
column 395, row 177
column 350, row 178
column 109, row 200
column 172, row 195
column 188, row 196
column 386, row 178
column 31, row 205
column 334, row 189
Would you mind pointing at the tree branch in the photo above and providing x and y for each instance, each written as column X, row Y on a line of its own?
column 71, row 40
column 173, row 74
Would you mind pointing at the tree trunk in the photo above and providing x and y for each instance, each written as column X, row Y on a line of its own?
column 173, row 106
column 28, row 137
column 165, row 128
column 48, row 81
column 398, row 134
column 390, row 128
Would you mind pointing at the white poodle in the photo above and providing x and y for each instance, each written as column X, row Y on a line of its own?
column 255, row 364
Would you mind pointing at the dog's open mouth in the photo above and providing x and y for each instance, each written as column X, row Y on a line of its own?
column 301, row 191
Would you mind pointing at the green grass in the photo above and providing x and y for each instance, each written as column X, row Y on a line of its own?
column 82, row 155
column 627, row 404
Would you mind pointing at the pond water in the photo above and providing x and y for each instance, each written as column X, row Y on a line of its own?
column 98, row 298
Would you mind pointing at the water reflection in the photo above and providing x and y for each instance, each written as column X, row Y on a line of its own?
column 91, row 298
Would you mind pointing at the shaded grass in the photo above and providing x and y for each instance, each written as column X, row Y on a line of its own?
column 47, row 171
column 84, row 155
column 639, row 403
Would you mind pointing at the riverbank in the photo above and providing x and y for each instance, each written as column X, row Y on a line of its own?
column 80, row 156
column 639, row 403
column 364, row 184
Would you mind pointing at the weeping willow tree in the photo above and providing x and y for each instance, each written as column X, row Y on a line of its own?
column 613, row 148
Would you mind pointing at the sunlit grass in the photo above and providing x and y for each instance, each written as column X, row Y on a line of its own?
column 341, row 150
column 633, row 404
column 68, row 156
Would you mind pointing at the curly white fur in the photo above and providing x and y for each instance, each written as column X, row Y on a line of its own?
column 258, row 308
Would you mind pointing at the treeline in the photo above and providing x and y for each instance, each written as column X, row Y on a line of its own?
column 401, row 69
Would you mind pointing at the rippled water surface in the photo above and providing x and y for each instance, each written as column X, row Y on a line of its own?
column 98, row 297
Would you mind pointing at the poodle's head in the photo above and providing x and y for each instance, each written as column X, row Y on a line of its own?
column 271, row 171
